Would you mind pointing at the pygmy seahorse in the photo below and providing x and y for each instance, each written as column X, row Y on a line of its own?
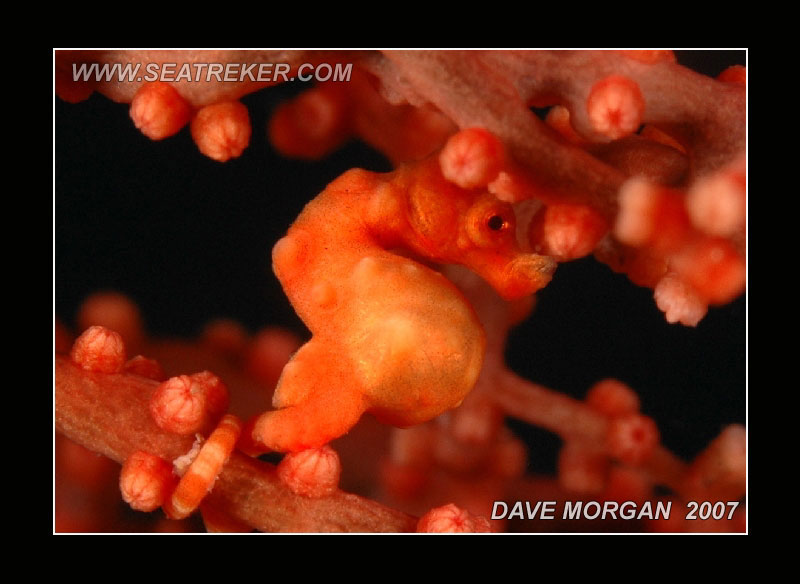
column 391, row 336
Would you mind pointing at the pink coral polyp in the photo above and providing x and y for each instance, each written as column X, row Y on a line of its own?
column 146, row 481
column 187, row 403
column 99, row 349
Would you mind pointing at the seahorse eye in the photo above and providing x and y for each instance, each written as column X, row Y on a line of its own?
column 496, row 223
column 490, row 223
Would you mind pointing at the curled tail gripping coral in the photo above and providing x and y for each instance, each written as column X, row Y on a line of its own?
column 390, row 335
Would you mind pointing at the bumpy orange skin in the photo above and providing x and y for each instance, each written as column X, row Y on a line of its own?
column 390, row 335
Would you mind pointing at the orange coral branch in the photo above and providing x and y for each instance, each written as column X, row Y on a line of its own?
column 574, row 420
column 559, row 171
column 494, row 90
column 108, row 413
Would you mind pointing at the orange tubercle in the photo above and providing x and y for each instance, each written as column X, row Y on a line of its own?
column 311, row 125
column 714, row 269
column 652, row 216
column 717, row 204
column 615, row 106
column 472, row 158
column 566, row 231
column 99, row 349
column 451, row 519
column 146, row 481
column 679, row 302
column 632, row 438
column 116, row 312
column 312, row 473
column 159, row 111
column 222, row 130
column 187, row 403
column 612, row 398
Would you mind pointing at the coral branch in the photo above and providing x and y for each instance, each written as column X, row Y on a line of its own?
column 109, row 414
column 544, row 407
column 559, row 171
column 616, row 436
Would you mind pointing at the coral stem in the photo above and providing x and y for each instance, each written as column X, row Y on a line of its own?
column 108, row 413
column 444, row 78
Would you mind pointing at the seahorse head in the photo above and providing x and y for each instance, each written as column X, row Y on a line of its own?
column 473, row 228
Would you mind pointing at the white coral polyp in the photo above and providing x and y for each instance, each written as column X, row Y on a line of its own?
column 678, row 302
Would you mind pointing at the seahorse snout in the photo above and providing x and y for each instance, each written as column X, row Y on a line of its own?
column 526, row 274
